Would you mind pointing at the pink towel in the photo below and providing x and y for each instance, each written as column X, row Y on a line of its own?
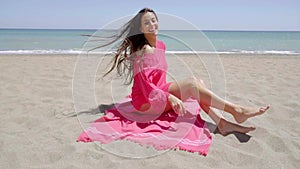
column 165, row 131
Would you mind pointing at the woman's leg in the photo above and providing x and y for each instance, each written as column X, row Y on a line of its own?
column 225, row 127
column 194, row 88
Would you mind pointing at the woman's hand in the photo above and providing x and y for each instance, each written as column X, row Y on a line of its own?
column 177, row 105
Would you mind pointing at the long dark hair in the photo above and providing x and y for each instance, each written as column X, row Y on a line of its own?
column 134, row 40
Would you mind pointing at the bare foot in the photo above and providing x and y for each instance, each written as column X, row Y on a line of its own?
column 226, row 127
column 244, row 113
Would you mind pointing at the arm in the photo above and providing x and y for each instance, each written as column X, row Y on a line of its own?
column 144, row 77
column 153, row 94
column 177, row 105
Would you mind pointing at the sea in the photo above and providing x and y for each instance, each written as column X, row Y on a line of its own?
column 74, row 41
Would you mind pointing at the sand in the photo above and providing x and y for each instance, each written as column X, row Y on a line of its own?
column 37, row 129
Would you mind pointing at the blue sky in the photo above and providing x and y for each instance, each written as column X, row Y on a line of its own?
column 205, row 14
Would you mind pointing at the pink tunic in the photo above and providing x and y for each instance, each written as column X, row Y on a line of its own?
column 149, row 85
column 162, row 130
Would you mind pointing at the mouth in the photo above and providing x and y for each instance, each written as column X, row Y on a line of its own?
column 152, row 30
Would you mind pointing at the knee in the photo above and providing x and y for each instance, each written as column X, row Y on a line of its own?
column 195, row 83
column 191, row 82
column 201, row 82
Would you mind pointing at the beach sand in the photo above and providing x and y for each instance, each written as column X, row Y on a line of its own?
column 38, row 131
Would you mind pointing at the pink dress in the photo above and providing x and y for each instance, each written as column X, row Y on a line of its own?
column 154, row 127
column 149, row 85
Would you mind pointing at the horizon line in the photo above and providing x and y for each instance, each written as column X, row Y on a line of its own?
column 246, row 30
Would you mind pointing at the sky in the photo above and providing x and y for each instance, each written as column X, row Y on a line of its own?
column 204, row 14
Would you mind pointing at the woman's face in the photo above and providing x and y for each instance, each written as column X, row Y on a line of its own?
column 149, row 24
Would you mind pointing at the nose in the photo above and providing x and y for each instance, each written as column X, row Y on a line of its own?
column 152, row 24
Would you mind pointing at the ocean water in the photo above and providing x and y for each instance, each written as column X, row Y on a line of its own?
column 52, row 41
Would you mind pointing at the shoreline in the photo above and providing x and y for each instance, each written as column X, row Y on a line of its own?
column 177, row 54
column 58, row 52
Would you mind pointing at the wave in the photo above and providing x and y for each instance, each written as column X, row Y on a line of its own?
column 71, row 51
column 40, row 52
column 236, row 52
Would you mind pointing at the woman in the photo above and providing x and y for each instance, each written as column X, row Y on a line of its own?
column 146, row 67
column 142, row 38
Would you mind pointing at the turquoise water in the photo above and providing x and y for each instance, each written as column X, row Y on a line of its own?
column 179, row 41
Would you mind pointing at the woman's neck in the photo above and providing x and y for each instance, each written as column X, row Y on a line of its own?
column 151, row 40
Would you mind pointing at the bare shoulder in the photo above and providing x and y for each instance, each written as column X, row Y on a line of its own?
column 148, row 49
column 145, row 50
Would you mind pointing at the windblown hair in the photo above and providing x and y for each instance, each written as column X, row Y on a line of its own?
column 134, row 40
